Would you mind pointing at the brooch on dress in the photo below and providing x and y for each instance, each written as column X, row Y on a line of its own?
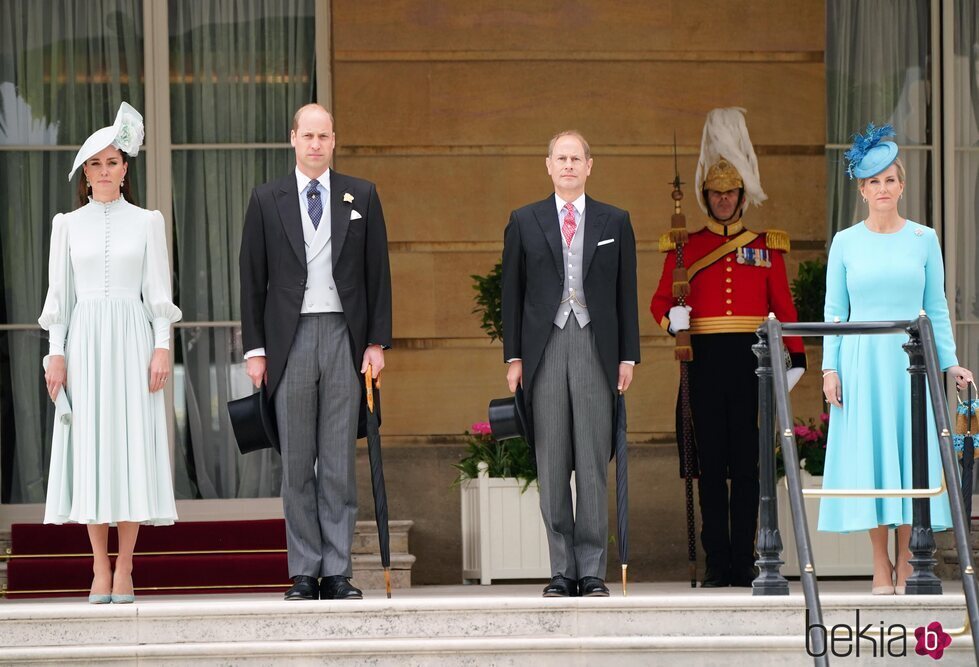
column 919, row 232
column 760, row 257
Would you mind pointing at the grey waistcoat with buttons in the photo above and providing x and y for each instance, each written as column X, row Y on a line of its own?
column 573, row 280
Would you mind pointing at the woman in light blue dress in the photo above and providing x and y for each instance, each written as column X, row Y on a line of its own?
column 108, row 313
column 883, row 268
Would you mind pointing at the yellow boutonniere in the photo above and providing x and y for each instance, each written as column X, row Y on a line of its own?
column 348, row 198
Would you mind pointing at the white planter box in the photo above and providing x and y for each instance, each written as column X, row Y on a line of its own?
column 502, row 530
column 835, row 554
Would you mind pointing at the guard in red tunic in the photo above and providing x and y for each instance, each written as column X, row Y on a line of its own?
column 737, row 277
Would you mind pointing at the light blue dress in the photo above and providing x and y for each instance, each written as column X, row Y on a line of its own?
column 108, row 306
column 873, row 277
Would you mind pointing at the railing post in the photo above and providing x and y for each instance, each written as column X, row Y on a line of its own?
column 769, row 580
column 923, row 580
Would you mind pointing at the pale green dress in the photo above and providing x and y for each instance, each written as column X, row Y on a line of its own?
column 108, row 306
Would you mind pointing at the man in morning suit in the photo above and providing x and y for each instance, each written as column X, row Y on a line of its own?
column 315, row 310
column 737, row 277
column 571, row 338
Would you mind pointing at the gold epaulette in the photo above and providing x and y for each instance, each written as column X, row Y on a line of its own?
column 666, row 244
column 776, row 239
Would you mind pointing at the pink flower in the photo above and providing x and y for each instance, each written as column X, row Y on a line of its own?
column 813, row 435
column 802, row 431
column 481, row 428
column 824, row 417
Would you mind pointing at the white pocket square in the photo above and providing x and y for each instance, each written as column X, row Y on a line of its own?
column 354, row 215
column 606, row 241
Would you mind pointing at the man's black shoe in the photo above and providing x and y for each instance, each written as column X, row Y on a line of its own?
column 339, row 588
column 743, row 576
column 592, row 587
column 715, row 578
column 561, row 587
column 303, row 588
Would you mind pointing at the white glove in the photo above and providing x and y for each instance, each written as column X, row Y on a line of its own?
column 679, row 318
column 793, row 375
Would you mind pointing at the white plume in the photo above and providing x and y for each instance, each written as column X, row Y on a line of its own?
column 726, row 135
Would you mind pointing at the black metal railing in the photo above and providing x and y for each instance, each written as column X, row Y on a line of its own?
column 775, row 413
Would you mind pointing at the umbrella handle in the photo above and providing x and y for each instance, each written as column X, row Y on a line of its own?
column 369, row 383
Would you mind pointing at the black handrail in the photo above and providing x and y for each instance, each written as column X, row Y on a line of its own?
column 773, row 388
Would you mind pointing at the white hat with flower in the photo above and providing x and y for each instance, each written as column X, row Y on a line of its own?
column 126, row 134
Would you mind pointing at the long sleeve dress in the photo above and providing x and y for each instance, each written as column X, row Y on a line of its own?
column 874, row 277
column 108, row 306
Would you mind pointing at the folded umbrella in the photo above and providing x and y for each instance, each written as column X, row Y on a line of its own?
column 622, row 487
column 968, row 454
column 377, row 479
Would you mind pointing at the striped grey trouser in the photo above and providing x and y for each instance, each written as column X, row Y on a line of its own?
column 316, row 407
column 572, row 408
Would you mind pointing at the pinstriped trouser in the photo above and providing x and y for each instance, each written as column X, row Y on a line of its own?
column 316, row 407
column 573, row 406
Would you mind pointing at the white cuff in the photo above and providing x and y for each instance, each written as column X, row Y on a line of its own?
column 161, row 332
column 257, row 352
column 631, row 363
column 56, row 339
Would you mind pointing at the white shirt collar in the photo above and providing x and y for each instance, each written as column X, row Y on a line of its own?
column 579, row 204
column 302, row 180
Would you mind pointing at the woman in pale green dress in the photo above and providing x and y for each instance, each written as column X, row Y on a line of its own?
column 108, row 313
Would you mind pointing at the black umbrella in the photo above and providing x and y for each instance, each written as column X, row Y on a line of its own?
column 377, row 480
column 622, row 487
column 968, row 452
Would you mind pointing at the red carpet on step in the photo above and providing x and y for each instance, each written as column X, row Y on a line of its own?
column 188, row 557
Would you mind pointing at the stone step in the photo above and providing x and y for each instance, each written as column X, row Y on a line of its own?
column 699, row 628
column 365, row 537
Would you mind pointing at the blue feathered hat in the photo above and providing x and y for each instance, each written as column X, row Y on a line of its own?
column 870, row 155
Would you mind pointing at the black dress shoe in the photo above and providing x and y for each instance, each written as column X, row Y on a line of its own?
column 716, row 578
column 561, row 587
column 339, row 588
column 592, row 587
column 303, row 588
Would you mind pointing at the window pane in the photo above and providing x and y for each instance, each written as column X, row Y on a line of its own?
column 239, row 70
column 965, row 104
column 26, row 417
column 878, row 69
column 209, row 372
column 210, row 194
column 65, row 65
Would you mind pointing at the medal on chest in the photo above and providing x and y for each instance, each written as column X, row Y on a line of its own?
column 760, row 257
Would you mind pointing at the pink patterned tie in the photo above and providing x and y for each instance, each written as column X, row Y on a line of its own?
column 569, row 224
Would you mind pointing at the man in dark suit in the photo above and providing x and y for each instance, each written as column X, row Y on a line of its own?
column 315, row 309
column 571, row 338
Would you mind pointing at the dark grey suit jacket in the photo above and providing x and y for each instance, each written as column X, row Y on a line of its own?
column 272, row 263
column 533, row 279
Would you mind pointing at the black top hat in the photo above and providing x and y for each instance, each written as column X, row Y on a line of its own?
column 508, row 418
column 253, row 421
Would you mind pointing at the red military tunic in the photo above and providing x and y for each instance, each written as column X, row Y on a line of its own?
column 732, row 289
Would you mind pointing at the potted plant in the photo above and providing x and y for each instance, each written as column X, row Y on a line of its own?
column 502, row 530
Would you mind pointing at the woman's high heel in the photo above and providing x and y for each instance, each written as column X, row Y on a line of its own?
column 125, row 598
column 885, row 590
